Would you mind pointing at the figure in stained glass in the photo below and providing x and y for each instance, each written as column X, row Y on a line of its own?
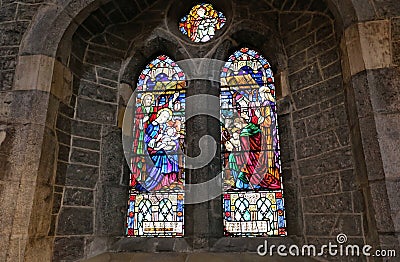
column 250, row 146
column 157, row 152
column 201, row 23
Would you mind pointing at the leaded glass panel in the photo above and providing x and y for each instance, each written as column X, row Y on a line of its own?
column 253, row 202
column 202, row 22
column 155, row 206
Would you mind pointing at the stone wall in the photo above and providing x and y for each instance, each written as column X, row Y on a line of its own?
column 330, row 198
column 61, row 159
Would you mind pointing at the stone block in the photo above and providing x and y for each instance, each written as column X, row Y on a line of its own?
column 320, row 184
column 21, row 152
column 63, row 153
column 321, row 47
column 348, row 180
column 48, row 159
column 353, row 51
column 85, row 157
column 384, row 89
column 6, row 80
column 26, row 12
column 118, row 43
column 75, row 221
column 302, row 44
column 371, row 152
column 85, row 143
column 318, row 144
column 68, row 248
column 81, row 176
column 78, row 197
column 306, row 112
column 300, row 129
column 98, row 92
column 327, row 162
column 396, row 52
column 334, row 117
column 333, row 203
column 8, row 63
column 26, row 193
column 393, row 191
column 297, row 35
column 368, row 45
column 395, row 29
column 56, row 203
column 107, row 83
column 329, row 57
column 16, row 248
column 381, row 206
column 324, row 31
column 39, row 249
column 11, row 33
column 8, row 12
column 387, row 8
column 305, row 77
column 360, row 87
column 96, row 111
column 106, row 51
column 111, row 211
column 8, row 194
column 86, row 129
column 319, row 225
column 63, row 138
column 296, row 62
column 112, row 156
column 34, row 72
column 61, row 173
column 318, row 93
column 40, row 218
column 389, row 139
column 375, row 42
column 332, row 70
column 105, row 60
column 359, row 201
column 63, row 123
column 28, row 106
column 61, row 83
column 349, row 224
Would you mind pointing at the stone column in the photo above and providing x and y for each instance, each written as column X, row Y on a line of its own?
column 28, row 152
column 372, row 89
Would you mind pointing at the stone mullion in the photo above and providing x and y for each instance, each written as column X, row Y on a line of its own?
column 197, row 216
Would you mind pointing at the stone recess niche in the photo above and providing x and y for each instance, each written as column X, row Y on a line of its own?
column 68, row 70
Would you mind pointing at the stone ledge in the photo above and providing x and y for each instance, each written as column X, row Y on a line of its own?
column 194, row 257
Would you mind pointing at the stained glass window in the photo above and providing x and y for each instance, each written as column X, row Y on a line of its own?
column 155, row 206
column 201, row 23
column 253, row 201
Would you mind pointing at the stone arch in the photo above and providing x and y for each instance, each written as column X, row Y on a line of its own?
column 46, row 47
column 63, row 19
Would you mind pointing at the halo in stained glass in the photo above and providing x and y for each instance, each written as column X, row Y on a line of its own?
column 253, row 198
column 202, row 22
column 155, row 205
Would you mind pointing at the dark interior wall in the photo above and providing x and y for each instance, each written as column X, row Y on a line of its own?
column 300, row 41
column 330, row 197
column 89, row 194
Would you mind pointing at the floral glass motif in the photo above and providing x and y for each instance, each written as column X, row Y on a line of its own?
column 155, row 206
column 201, row 23
column 253, row 198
